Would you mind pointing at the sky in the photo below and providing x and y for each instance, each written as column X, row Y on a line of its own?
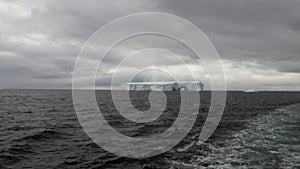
column 258, row 42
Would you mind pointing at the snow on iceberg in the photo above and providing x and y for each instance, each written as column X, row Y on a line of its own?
column 165, row 86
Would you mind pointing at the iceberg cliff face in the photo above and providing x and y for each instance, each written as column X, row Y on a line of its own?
column 165, row 86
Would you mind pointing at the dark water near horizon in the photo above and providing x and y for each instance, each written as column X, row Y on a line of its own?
column 39, row 129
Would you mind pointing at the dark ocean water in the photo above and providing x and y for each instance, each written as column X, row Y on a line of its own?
column 40, row 129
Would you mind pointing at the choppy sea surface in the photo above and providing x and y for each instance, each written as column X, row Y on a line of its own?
column 40, row 129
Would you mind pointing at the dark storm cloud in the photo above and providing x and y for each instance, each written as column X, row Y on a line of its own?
column 40, row 40
column 262, row 31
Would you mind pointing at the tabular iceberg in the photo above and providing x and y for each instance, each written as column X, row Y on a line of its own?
column 165, row 86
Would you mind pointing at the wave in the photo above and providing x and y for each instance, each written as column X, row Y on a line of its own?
column 8, row 159
column 270, row 140
column 43, row 135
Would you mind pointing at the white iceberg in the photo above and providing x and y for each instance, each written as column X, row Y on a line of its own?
column 165, row 86
column 250, row 91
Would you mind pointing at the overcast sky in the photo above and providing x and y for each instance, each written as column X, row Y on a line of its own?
column 257, row 40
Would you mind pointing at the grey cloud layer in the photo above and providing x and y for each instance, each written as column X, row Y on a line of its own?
column 263, row 31
column 40, row 40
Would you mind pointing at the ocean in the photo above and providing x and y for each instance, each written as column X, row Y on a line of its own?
column 40, row 129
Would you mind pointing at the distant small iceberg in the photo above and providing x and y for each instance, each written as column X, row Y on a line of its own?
column 250, row 91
